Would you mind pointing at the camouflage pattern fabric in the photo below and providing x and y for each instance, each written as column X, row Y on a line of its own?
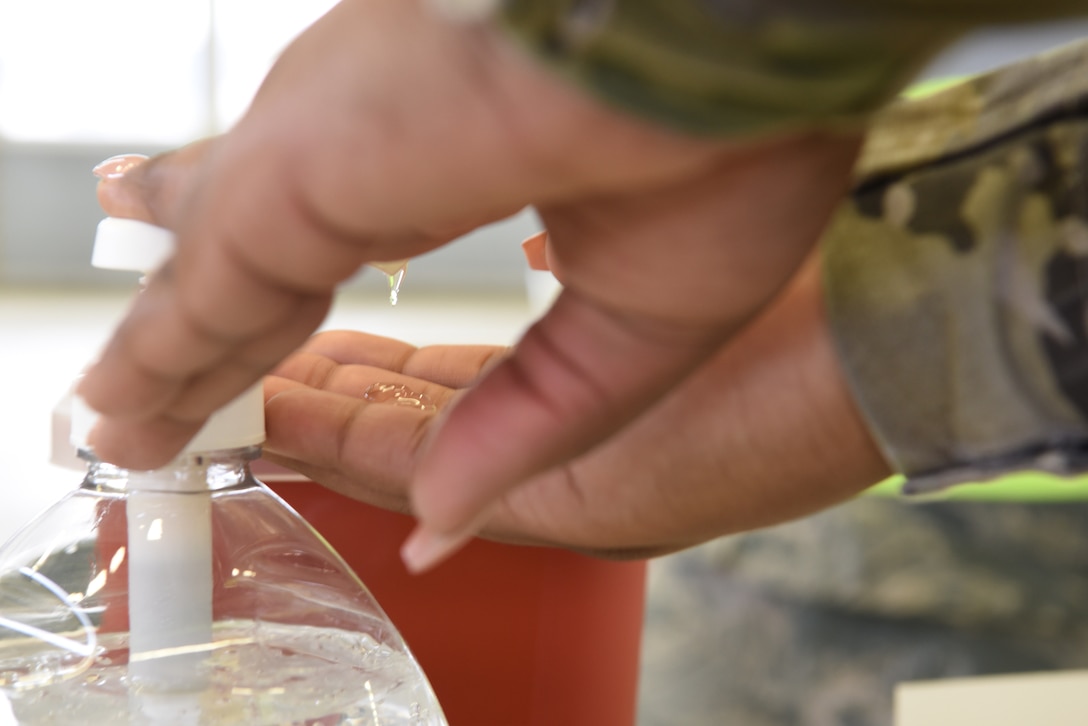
column 954, row 285
column 733, row 67
column 955, row 276
column 813, row 623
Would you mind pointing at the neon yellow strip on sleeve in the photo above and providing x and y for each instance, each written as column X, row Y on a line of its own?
column 1019, row 487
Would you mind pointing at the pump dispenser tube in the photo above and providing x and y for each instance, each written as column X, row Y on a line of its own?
column 169, row 522
column 170, row 582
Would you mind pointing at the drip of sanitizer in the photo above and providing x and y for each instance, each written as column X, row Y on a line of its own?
column 191, row 594
column 395, row 272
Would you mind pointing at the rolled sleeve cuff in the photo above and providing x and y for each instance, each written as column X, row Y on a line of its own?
column 956, row 278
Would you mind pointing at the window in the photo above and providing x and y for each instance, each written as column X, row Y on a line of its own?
column 248, row 36
column 136, row 71
column 81, row 80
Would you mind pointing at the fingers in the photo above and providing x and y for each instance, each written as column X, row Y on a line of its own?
column 765, row 431
column 362, row 487
column 182, row 363
column 666, row 246
column 321, row 424
column 536, row 253
column 453, row 366
column 181, row 372
column 655, row 282
column 705, row 461
column 339, row 377
column 341, row 420
column 573, row 379
column 339, row 162
column 152, row 190
column 374, row 442
column 323, row 421
column 358, row 381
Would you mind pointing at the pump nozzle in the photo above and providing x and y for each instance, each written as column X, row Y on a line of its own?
column 169, row 516
column 129, row 244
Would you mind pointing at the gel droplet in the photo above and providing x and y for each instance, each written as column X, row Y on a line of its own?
column 393, row 270
column 399, row 395
column 394, row 285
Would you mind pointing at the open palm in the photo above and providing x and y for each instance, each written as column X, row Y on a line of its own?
column 764, row 432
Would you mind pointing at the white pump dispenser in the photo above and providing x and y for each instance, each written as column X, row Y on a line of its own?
column 169, row 533
column 191, row 594
column 129, row 244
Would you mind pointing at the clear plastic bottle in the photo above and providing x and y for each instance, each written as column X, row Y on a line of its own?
column 192, row 594
column 289, row 635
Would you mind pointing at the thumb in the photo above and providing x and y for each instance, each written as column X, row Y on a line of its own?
column 151, row 190
column 574, row 378
column 655, row 281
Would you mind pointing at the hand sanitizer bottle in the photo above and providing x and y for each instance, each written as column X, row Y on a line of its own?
column 191, row 594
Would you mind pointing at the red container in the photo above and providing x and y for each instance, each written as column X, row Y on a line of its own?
column 508, row 636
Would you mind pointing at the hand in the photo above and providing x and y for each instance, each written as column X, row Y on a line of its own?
column 384, row 132
column 763, row 432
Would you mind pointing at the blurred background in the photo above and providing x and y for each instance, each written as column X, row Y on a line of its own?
column 81, row 81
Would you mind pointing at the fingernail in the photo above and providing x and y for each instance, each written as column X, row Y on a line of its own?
column 424, row 549
column 117, row 166
column 534, row 249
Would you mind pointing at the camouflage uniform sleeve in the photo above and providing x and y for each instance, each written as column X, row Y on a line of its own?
column 741, row 67
column 956, row 276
